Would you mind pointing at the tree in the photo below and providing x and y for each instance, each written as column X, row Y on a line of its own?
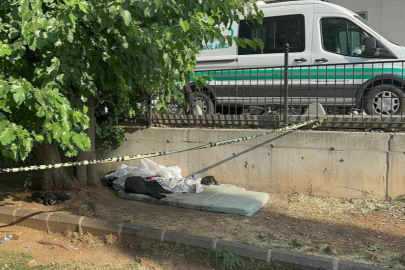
column 63, row 62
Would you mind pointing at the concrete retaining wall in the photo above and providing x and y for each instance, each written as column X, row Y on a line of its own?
column 319, row 163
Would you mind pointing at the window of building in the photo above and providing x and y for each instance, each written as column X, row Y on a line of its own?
column 341, row 36
column 274, row 33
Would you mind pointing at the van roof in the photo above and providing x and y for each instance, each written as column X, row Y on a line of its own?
column 280, row 3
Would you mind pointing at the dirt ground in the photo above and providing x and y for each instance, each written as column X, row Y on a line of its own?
column 359, row 230
column 56, row 251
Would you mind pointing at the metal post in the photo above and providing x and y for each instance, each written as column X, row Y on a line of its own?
column 286, row 52
column 149, row 111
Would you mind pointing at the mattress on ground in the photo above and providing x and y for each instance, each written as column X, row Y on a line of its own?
column 213, row 199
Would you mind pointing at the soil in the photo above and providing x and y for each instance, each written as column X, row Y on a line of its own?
column 359, row 230
column 89, row 252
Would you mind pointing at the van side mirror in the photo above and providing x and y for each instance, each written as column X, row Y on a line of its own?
column 369, row 47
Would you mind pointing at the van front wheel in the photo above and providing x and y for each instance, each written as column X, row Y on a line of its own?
column 385, row 100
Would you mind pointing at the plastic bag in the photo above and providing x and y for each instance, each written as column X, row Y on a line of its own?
column 173, row 172
column 125, row 169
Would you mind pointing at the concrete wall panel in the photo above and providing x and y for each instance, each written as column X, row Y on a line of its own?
column 337, row 164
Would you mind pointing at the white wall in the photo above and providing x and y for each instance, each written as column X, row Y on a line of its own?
column 386, row 15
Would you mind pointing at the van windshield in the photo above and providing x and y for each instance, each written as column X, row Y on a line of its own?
column 372, row 27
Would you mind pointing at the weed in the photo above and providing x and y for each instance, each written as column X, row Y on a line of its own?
column 400, row 258
column 328, row 249
column 370, row 257
column 28, row 180
column 21, row 261
column 218, row 259
column 295, row 244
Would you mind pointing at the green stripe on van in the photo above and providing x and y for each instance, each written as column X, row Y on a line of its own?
column 301, row 73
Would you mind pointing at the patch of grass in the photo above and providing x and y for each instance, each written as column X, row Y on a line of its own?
column 218, row 259
column 295, row 244
column 328, row 249
column 21, row 261
column 400, row 259
column 370, row 257
column 7, row 257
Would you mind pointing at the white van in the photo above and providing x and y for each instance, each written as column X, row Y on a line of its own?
column 336, row 59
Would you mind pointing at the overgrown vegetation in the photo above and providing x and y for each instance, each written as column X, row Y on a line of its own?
column 64, row 62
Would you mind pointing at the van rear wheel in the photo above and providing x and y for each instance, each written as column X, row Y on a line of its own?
column 203, row 100
column 385, row 100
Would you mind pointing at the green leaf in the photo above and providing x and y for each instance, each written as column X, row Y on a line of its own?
column 25, row 5
column 70, row 36
column 222, row 40
column 185, row 25
column 41, row 112
column 3, row 124
column 6, row 137
column 57, row 131
column 126, row 15
column 13, row 34
column 4, row 106
column 39, row 138
column 230, row 40
column 81, row 140
column 210, row 20
column 83, row 6
column 18, row 93
column 242, row 43
column 37, row 6
column 5, row 50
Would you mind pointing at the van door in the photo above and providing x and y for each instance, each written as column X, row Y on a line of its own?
column 337, row 43
column 219, row 62
column 261, row 74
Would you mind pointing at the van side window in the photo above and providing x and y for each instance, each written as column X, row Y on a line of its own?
column 287, row 32
column 274, row 33
column 341, row 36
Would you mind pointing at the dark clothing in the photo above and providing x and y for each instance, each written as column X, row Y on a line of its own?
column 108, row 182
column 50, row 198
column 209, row 180
column 137, row 184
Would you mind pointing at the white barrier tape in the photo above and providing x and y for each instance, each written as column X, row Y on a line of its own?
column 157, row 154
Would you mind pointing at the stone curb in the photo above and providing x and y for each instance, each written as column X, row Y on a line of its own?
column 54, row 222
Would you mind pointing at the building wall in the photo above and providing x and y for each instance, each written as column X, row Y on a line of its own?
column 336, row 164
column 386, row 15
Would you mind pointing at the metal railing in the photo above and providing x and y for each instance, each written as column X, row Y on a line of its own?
column 349, row 94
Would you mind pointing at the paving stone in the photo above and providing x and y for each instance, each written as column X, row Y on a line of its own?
column 188, row 239
column 301, row 261
column 346, row 265
column 98, row 227
column 32, row 219
column 6, row 215
column 134, row 233
column 59, row 223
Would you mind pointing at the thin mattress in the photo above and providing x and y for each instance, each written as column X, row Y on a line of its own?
column 218, row 199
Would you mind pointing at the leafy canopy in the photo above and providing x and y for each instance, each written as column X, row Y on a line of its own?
column 55, row 54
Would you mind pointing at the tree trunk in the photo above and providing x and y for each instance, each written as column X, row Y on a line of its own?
column 88, row 175
column 53, row 179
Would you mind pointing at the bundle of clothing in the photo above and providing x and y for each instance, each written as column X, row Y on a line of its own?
column 49, row 198
column 154, row 180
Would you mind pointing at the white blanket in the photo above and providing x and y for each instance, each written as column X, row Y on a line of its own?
column 169, row 178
